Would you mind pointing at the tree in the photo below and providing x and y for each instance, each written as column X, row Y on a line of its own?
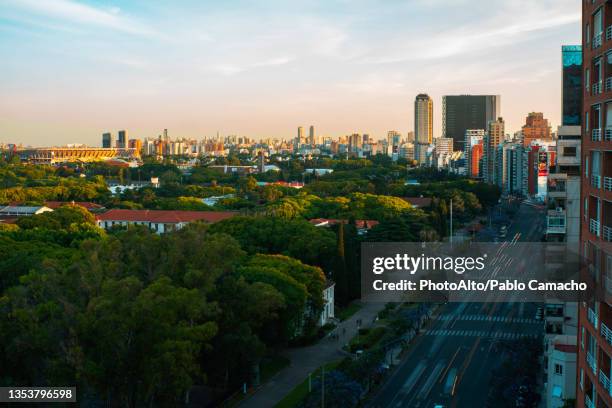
column 340, row 391
column 341, row 292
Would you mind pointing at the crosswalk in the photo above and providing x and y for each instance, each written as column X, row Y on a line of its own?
column 479, row 333
column 486, row 318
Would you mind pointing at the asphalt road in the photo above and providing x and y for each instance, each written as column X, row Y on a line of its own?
column 451, row 363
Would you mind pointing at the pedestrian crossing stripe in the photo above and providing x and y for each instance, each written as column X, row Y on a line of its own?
column 501, row 319
column 480, row 333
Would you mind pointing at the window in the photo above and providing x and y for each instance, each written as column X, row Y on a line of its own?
column 586, row 119
column 598, row 23
column 587, row 79
column 569, row 151
column 558, row 369
column 587, row 33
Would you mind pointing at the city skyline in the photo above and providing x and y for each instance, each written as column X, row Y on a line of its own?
column 262, row 70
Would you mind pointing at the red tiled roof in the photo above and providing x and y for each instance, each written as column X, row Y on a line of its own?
column 367, row 224
column 8, row 220
column 420, row 202
column 164, row 216
column 85, row 204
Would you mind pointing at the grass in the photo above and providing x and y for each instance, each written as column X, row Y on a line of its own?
column 348, row 311
column 297, row 395
column 366, row 339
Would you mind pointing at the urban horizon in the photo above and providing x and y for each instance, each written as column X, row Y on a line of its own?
column 332, row 76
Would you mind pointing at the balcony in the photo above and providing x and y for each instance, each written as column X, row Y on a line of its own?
column 596, row 180
column 587, row 402
column 607, row 233
column 606, row 333
column 555, row 222
column 609, row 33
column 597, row 40
column 592, row 316
column 607, row 182
column 604, row 380
column 591, row 362
column 597, row 87
column 594, row 227
column 596, row 135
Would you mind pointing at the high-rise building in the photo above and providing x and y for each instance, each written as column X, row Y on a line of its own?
column 473, row 137
column 423, row 119
column 299, row 140
column 536, row 127
column 355, row 142
column 571, row 86
column 463, row 112
column 595, row 315
column 493, row 137
column 135, row 144
column 423, row 126
column 311, row 136
column 107, row 140
column 122, row 139
column 443, row 145
column 394, row 139
column 475, row 160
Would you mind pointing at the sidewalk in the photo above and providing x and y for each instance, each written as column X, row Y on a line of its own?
column 305, row 360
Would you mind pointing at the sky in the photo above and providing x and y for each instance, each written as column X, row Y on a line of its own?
column 72, row 70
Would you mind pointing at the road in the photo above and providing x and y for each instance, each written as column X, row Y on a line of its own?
column 451, row 363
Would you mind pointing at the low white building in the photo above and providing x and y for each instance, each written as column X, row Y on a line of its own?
column 561, row 369
column 328, row 303
column 157, row 220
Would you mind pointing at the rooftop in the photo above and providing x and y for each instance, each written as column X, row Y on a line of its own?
column 161, row 216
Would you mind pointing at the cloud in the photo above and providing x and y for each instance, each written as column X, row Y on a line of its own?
column 82, row 14
column 471, row 37
column 232, row 69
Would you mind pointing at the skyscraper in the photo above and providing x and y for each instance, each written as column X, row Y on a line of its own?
column 122, row 139
column 107, row 140
column 493, row 138
column 423, row 126
column 571, row 87
column 423, row 119
column 300, row 136
column 473, row 140
column 463, row 112
column 595, row 315
column 311, row 136
column 536, row 127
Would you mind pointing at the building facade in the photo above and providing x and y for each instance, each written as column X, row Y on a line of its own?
column 571, row 89
column 595, row 317
column 494, row 137
column 463, row 112
column 423, row 126
column 122, row 139
column 536, row 127
column 107, row 140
